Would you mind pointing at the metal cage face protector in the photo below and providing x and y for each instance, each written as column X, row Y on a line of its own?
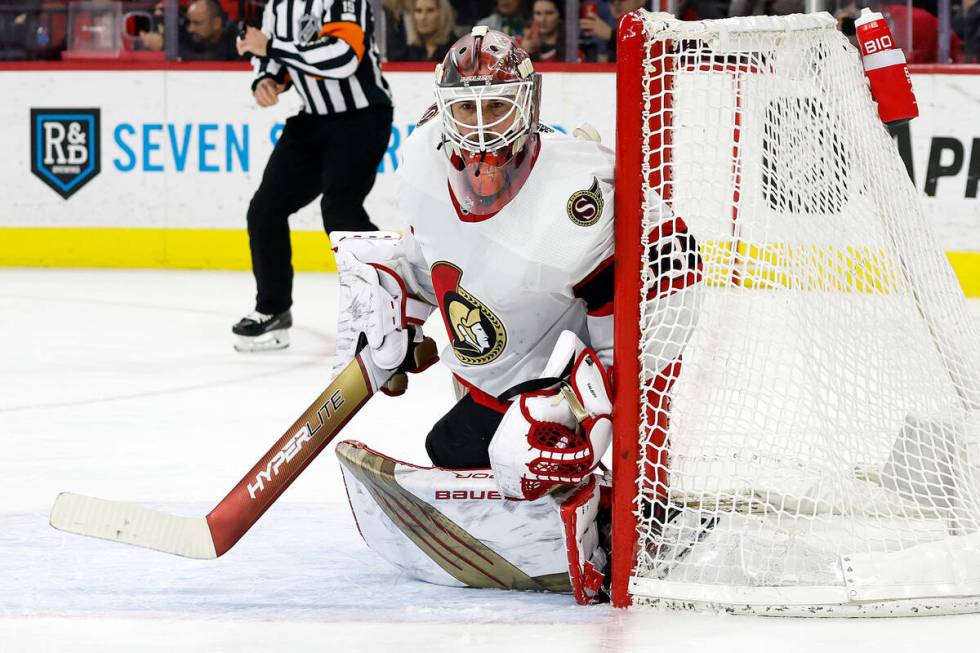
column 485, row 118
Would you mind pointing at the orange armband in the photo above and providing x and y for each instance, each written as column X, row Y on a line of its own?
column 349, row 33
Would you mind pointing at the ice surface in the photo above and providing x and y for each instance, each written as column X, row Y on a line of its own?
column 124, row 385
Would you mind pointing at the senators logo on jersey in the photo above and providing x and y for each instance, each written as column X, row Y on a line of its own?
column 585, row 206
column 478, row 336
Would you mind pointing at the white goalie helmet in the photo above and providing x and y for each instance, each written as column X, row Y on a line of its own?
column 488, row 96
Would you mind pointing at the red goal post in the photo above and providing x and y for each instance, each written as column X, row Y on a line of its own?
column 629, row 257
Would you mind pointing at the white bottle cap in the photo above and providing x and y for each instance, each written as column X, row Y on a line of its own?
column 867, row 16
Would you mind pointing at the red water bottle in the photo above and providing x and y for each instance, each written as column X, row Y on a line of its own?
column 885, row 67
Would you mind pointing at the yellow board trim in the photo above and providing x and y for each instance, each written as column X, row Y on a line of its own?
column 220, row 249
column 209, row 249
column 966, row 265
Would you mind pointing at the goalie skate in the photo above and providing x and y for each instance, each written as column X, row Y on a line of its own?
column 260, row 332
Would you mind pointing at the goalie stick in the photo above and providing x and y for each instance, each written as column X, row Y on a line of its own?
column 208, row 537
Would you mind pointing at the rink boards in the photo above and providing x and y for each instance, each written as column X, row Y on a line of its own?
column 155, row 168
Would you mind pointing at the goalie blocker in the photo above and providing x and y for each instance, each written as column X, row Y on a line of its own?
column 374, row 303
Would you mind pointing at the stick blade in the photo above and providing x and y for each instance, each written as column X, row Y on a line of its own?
column 123, row 522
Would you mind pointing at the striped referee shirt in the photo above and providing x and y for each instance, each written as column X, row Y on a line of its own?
column 327, row 48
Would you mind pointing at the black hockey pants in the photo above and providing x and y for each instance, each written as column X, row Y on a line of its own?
column 336, row 156
column 459, row 440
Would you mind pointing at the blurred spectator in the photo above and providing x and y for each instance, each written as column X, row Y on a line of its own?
column 510, row 18
column 846, row 15
column 16, row 24
column 398, row 19
column 922, row 45
column 592, row 48
column 766, row 7
column 701, row 10
column 430, row 33
column 967, row 26
column 470, row 11
column 207, row 34
column 593, row 25
column 544, row 39
column 151, row 38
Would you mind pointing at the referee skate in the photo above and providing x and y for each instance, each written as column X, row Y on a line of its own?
column 260, row 332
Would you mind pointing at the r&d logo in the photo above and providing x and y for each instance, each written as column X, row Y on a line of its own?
column 65, row 147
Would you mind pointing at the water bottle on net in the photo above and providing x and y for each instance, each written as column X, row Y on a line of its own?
column 886, row 69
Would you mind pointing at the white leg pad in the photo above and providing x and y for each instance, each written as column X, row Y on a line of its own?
column 453, row 527
column 586, row 558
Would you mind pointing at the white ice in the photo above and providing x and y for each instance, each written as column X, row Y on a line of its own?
column 124, row 385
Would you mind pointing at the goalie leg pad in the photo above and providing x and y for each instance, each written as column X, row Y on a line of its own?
column 452, row 527
column 586, row 557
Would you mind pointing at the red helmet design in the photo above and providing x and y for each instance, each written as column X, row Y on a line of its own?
column 488, row 96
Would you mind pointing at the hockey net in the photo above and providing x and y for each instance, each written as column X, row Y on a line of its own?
column 815, row 448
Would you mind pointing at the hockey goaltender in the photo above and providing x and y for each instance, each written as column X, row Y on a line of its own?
column 509, row 236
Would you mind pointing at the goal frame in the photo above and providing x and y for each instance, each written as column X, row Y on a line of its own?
column 635, row 120
column 626, row 306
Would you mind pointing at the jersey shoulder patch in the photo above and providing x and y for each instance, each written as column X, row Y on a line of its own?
column 584, row 207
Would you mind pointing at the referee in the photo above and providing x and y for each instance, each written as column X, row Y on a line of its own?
column 326, row 51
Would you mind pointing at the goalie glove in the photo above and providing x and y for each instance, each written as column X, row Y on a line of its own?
column 557, row 435
column 375, row 310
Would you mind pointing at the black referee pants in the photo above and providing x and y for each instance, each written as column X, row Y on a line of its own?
column 336, row 156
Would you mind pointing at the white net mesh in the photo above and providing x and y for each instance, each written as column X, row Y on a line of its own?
column 823, row 445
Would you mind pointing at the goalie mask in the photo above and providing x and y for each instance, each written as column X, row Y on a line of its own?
column 488, row 96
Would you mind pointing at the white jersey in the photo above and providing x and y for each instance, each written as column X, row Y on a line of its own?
column 508, row 285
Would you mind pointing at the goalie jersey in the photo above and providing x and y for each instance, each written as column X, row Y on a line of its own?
column 507, row 285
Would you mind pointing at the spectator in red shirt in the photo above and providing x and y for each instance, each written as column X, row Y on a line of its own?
column 922, row 45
